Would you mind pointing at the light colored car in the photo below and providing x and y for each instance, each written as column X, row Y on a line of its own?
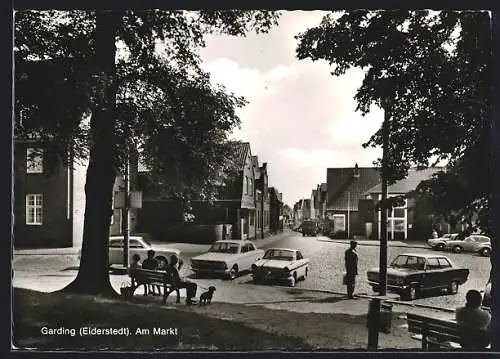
column 227, row 258
column 139, row 245
column 438, row 243
column 473, row 243
column 281, row 264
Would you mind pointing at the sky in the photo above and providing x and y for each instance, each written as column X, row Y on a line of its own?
column 300, row 119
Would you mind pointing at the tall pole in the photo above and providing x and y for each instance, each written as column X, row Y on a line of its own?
column 125, row 213
column 375, row 304
column 383, row 224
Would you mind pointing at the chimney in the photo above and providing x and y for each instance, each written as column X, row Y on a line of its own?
column 356, row 171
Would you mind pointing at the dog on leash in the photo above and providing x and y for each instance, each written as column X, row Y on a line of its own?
column 206, row 297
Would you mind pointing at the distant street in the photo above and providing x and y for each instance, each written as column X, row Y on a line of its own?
column 52, row 272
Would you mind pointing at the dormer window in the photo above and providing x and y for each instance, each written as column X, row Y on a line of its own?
column 356, row 171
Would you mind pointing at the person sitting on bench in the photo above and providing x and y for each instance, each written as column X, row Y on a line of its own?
column 152, row 264
column 471, row 317
column 182, row 283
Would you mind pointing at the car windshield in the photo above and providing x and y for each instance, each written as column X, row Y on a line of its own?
column 225, row 247
column 279, row 254
column 410, row 262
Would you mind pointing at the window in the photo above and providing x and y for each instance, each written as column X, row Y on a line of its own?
column 339, row 222
column 252, row 218
column 244, row 248
column 444, row 263
column 116, row 243
column 34, row 160
column 133, row 243
column 251, row 247
column 245, row 184
column 299, row 256
column 34, row 209
column 432, row 263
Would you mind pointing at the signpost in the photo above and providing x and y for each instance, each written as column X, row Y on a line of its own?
column 125, row 200
column 375, row 304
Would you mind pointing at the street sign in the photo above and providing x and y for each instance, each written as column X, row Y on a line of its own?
column 135, row 200
column 119, row 201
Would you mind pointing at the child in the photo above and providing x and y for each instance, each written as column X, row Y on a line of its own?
column 152, row 264
column 135, row 265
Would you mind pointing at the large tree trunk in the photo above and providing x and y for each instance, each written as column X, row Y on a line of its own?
column 93, row 275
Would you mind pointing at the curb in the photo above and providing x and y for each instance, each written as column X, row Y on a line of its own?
column 375, row 244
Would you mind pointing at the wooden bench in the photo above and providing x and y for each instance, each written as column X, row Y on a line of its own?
column 438, row 333
column 161, row 278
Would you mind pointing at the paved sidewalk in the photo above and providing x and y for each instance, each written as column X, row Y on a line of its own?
column 367, row 242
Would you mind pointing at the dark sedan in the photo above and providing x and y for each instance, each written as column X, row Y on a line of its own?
column 410, row 274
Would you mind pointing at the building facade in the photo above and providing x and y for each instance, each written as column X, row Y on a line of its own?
column 345, row 187
column 409, row 221
column 49, row 206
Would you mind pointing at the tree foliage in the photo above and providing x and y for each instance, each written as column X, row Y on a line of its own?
column 138, row 75
column 431, row 72
column 159, row 85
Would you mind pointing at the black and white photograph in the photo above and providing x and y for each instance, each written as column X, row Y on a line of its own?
column 249, row 180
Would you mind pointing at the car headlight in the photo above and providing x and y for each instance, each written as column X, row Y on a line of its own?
column 254, row 266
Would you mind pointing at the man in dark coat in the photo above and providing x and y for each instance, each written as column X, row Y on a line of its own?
column 351, row 268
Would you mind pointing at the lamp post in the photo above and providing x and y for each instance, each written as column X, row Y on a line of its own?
column 375, row 303
column 125, row 213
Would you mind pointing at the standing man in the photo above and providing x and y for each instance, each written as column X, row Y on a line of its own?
column 351, row 268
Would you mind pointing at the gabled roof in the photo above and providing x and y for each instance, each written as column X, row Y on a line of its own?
column 255, row 162
column 343, row 188
column 407, row 184
column 241, row 151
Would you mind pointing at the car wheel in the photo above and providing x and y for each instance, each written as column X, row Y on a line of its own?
column 439, row 247
column 485, row 252
column 303, row 234
column 411, row 293
column 293, row 280
column 457, row 249
column 233, row 272
column 453, row 287
column 306, row 273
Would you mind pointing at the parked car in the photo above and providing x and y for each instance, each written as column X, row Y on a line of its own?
column 309, row 228
column 410, row 274
column 140, row 245
column 281, row 264
column 438, row 243
column 473, row 243
column 227, row 258
column 486, row 303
